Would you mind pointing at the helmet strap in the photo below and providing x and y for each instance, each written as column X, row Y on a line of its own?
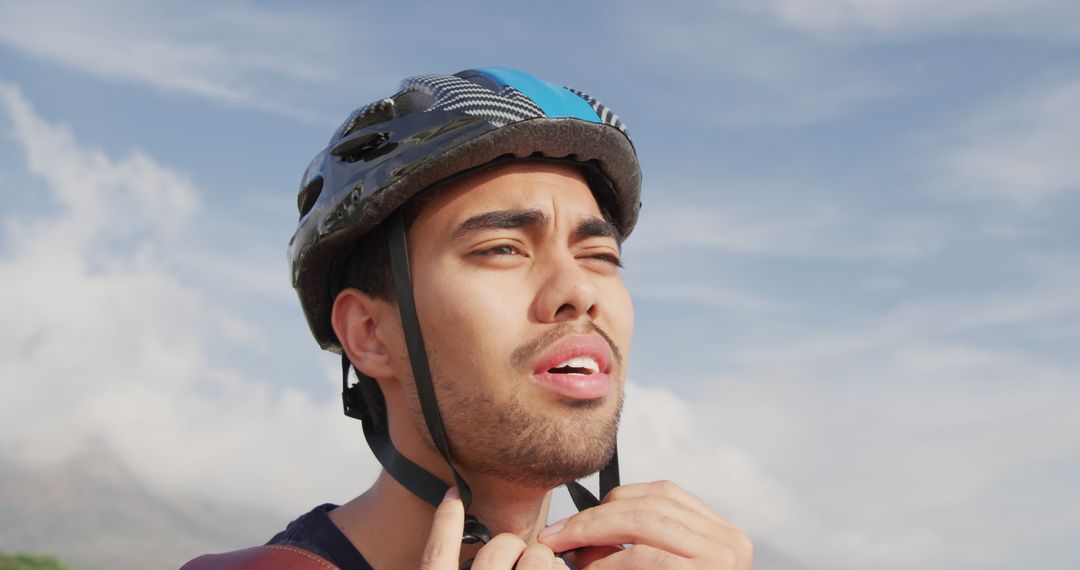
column 425, row 389
column 609, row 479
column 416, row 479
column 414, row 341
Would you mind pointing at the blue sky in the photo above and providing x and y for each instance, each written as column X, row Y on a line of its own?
column 856, row 274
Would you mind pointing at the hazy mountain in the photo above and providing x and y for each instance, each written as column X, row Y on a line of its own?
column 93, row 513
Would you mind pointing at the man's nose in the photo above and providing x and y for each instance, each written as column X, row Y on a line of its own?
column 567, row 292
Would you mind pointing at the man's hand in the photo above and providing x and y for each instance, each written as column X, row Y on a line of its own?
column 504, row 551
column 664, row 526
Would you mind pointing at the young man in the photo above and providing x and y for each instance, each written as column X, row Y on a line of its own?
column 459, row 245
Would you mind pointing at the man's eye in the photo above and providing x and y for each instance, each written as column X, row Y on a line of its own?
column 499, row 250
column 608, row 258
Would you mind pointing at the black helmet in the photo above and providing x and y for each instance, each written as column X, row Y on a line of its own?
column 434, row 127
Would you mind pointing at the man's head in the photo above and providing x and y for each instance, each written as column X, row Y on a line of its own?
column 525, row 317
column 508, row 262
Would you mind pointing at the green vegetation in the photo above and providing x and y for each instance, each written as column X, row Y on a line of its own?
column 29, row 562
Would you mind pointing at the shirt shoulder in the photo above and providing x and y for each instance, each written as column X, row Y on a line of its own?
column 316, row 533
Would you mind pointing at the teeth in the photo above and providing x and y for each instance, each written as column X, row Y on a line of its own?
column 583, row 362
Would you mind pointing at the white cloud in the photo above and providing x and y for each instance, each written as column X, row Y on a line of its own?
column 93, row 191
column 103, row 340
column 899, row 441
column 1021, row 150
column 664, row 436
column 231, row 52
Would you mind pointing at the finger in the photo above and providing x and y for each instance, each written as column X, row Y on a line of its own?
column 537, row 557
column 639, row 557
column 733, row 552
column 582, row 557
column 500, row 553
column 666, row 489
column 444, row 542
column 627, row 527
column 663, row 504
column 691, row 527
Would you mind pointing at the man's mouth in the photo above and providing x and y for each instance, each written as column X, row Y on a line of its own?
column 581, row 365
column 576, row 367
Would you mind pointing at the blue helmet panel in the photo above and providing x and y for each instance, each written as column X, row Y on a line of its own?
column 555, row 101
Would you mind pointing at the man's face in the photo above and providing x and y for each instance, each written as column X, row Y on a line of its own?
column 526, row 319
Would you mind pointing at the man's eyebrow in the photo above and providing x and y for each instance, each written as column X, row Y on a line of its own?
column 501, row 220
column 597, row 227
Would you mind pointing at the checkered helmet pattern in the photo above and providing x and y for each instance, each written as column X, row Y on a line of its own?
column 500, row 108
column 607, row 116
column 452, row 93
column 456, row 94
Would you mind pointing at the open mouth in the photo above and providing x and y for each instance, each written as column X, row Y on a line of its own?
column 577, row 367
column 581, row 366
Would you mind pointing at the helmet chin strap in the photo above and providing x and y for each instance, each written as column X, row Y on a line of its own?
column 413, row 477
column 425, row 390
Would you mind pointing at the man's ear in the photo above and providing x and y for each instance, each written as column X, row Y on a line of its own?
column 355, row 318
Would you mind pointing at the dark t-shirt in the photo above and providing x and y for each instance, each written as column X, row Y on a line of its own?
column 315, row 532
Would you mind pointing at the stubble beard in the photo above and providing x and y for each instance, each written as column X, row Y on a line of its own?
column 526, row 446
column 530, row 444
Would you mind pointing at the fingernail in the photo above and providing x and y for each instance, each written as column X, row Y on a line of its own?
column 451, row 494
column 553, row 529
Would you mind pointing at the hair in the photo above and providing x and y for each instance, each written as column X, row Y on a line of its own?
column 365, row 265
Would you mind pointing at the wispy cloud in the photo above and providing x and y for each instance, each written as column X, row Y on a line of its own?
column 731, row 65
column 730, row 299
column 839, row 19
column 738, row 64
column 231, row 52
column 1020, row 150
column 1038, row 310
column 794, row 229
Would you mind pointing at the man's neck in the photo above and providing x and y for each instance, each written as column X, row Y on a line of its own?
column 390, row 526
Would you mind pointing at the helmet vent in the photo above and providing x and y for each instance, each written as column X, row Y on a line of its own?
column 309, row 195
column 410, row 101
column 357, row 147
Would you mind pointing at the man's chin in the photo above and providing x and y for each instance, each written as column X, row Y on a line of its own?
column 540, row 443
column 592, row 404
column 548, row 466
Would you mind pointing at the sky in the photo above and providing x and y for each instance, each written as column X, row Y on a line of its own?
column 856, row 274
